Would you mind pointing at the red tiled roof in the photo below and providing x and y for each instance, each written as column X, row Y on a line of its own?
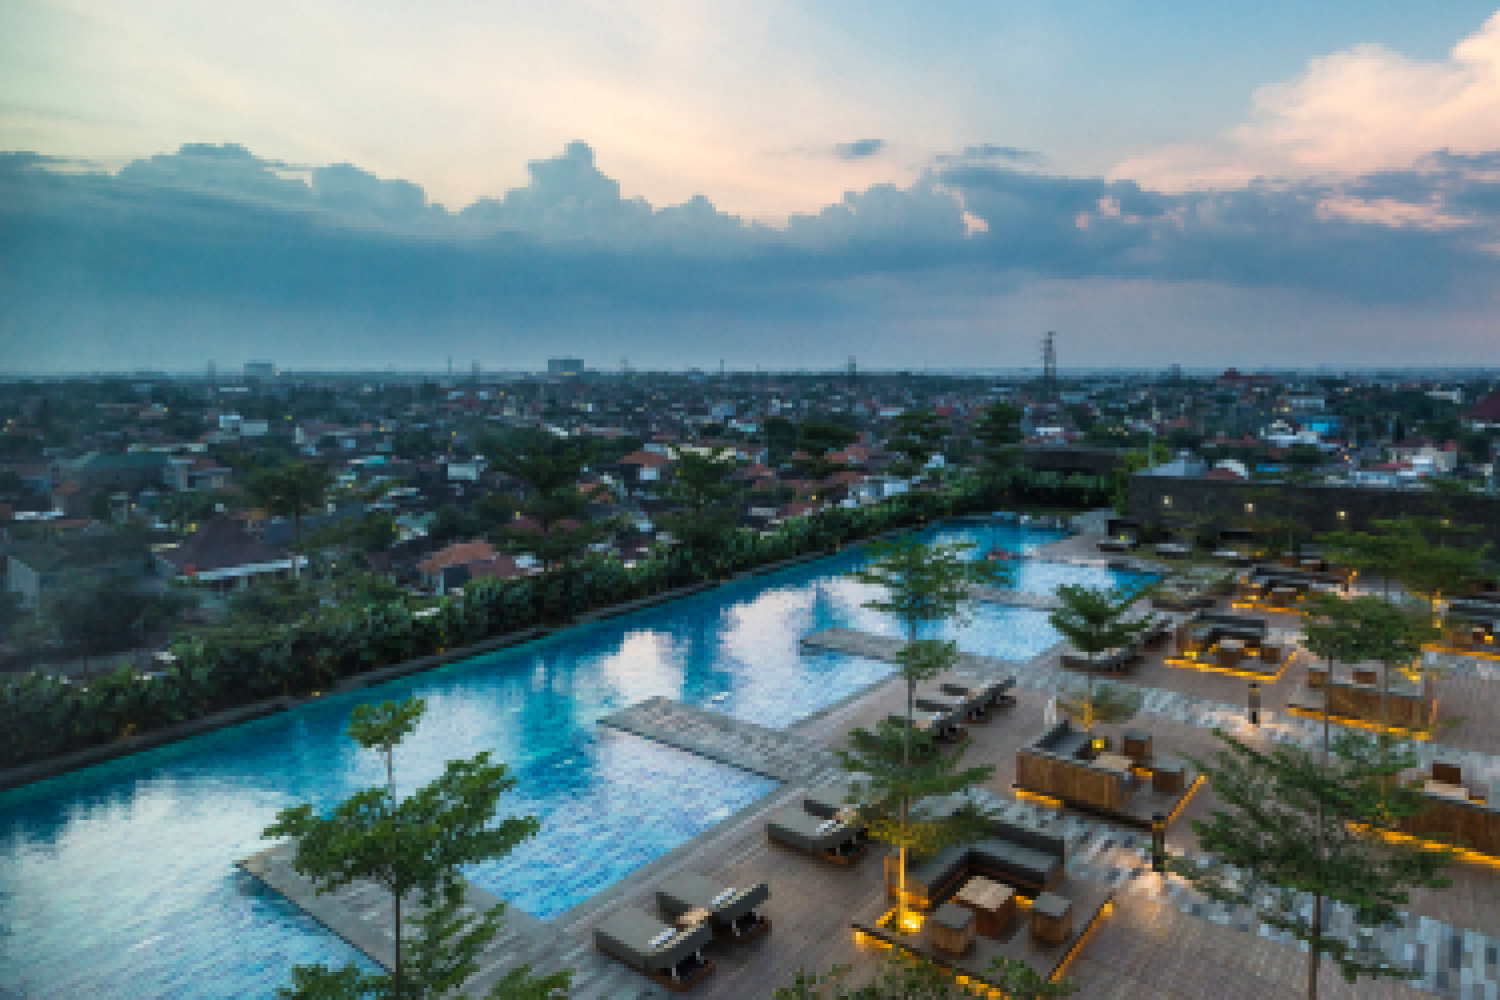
column 1487, row 409
column 457, row 554
column 645, row 458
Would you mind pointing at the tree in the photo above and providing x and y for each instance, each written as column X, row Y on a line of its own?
column 103, row 614
column 903, row 977
column 1425, row 566
column 816, row 438
column 704, row 489
column 888, row 784
column 1297, row 826
column 919, row 433
column 412, row 848
column 553, row 502
column 923, row 584
column 291, row 491
column 1093, row 621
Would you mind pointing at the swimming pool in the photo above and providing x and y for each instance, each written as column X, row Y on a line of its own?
column 118, row 881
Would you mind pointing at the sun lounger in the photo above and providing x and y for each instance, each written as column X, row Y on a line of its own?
column 829, row 839
column 990, row 693
column 731, row 910
column 939, row 725
column 659, row 951
column 956, row 706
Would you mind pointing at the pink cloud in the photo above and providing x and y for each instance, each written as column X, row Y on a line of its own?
column 1364, row 109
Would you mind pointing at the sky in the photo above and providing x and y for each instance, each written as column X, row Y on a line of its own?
column 372, row 184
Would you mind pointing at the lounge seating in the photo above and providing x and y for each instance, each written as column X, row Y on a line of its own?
column 954, row 706
column 991, row 694
column 661, row 952
column 731, row 911
column 1010, row 854
column 827, row 801
column 1123, row 544
column 944, row 725
column 828, row 839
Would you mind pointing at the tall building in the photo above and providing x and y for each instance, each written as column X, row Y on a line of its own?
column 565, row 366
column 260, row 369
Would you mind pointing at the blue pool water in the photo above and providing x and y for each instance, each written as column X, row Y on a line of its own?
column 118, row 881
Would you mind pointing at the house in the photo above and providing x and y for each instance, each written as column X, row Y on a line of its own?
column 435, row 568
column 129, row 471
column 644, row 467
column 223, row 556
column 34, row 572
column 189, row 475
column 1425, row 454
column 1483, row 415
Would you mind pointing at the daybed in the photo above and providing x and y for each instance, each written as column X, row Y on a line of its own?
column 663, row 953
column 731, row 911
column 829, row 839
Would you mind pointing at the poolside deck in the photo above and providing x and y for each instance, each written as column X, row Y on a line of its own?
column 1161, row 941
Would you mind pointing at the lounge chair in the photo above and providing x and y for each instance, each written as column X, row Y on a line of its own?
column 659, row 951
column 940, row 725
column 991, row 693
column 829, row 839
column 955, row 706
column 731, row 911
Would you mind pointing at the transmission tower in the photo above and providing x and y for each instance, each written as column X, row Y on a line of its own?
column 1049, row 365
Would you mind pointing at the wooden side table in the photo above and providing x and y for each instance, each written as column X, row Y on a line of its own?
column 1167, row 777
column 994, row 905
column 1051, row 918
column 952, row 928
column 1137, row 745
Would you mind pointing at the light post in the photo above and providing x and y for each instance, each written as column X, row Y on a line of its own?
column 1159, row 842
column 1255, row 703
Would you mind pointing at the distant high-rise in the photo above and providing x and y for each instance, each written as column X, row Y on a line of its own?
column 565, row 366
column 260, row 369
column 1049, row 366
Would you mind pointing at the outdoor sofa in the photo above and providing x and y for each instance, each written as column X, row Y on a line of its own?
column 665, row 954
column 828, row 838
column 1008, row 853
column 731, row 911
column 990, row 693
column 1058, row 765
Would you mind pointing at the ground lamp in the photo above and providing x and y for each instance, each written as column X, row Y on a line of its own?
column 1158, row 842
column 1255, row 703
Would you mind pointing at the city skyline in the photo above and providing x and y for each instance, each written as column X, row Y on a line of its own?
column 1319, row 197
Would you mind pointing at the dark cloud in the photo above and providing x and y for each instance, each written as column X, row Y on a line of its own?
column 987, row 153
column 216, row 231
column 858, row 150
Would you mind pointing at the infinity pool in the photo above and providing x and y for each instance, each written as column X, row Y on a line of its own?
column 118, row 881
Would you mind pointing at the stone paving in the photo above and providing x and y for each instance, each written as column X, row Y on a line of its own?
column 1014, row 598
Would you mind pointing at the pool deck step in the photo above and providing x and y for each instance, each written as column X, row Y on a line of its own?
column 1014, row 598
column 773, row 753
column 887, row 648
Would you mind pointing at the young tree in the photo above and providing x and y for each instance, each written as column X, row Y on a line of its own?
column 1296, row 827
column 413, row 848
column 925, row 584
column 888, row 784
column 291, row 491
column 815, row 439
column 1093, row 621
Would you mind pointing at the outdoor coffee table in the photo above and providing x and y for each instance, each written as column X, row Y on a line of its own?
column 1113, row 762
column 994, row 905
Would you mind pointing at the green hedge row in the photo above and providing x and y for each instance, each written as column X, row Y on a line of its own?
column 43, row 716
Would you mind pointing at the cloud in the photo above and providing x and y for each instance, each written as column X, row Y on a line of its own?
column 858, row 150
column 210, row 232
column 986, row 153
column 1353, row 112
